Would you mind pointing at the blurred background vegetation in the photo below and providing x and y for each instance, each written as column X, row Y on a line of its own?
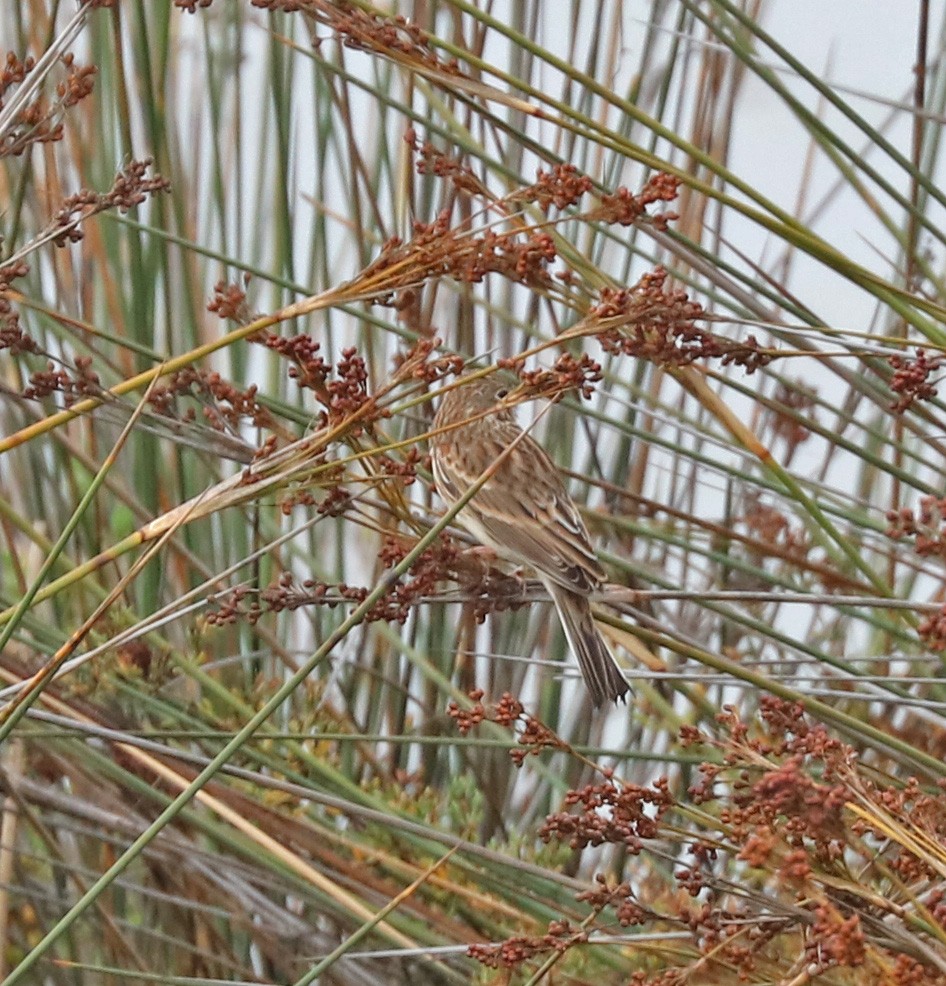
column 264, row 722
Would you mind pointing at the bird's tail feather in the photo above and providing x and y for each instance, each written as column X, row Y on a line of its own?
column 598, row 666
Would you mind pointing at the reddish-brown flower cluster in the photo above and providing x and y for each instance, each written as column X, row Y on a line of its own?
column 394, row 607
column 520, row 253
column 296, row 496
column 13, row 72
column 439, row 250
column 610, row 812
column 810, row 812
column 223, row 405
column 658, row 324
column 669, row 977
column 48, row 381
column 932, row 630
column 467, row 719
column 836, row 940
column 348, row 392
column 534, row 738
column 696, row 877
column 229, row 302
column 907, row 971
column 534, row 735
column 619, row 896
column 342, row 392
column 781, row 789
column 422, row 577
column 771, row 530
column 309, row 368
column 432, row 161
column 523, row 258
column 78, row 83
column 811, row 809
column 487, row 589
column 560, row 188
column 371, row 31
column 81, row 382
column 569, row 372
column 921, row 812
column 229, row 608
column 416, row 362
column 335, row 502
column 910, row 380
column 39, row 121
column 362, row 30
column 797, row 398
column 130, row 188
column 560, row 937
column 279, row 596
column 784, row 796
column 927, row 527
column 264, row 451
column 404, row 469
column 624, row 208
column 12, row 334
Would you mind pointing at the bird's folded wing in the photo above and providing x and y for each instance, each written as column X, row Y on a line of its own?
column 525, row 513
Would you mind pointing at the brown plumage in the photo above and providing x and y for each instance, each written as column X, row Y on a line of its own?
column 524, row 513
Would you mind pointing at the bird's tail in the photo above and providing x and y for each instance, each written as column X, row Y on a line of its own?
column 598, row 667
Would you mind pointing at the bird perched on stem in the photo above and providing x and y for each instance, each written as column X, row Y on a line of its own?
column 524, row 513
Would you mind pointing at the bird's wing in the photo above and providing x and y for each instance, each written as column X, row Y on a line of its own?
column 523, row 511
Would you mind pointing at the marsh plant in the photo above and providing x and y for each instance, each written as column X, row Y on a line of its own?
column 270, row 713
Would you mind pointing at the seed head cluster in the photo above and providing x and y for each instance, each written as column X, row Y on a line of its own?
column 911, row 378
column 656, row 322
column 769, row 873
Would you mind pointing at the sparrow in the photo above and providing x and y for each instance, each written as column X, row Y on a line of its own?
column 524, row 513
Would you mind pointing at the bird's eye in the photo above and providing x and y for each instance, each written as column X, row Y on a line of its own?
column 502, row 392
